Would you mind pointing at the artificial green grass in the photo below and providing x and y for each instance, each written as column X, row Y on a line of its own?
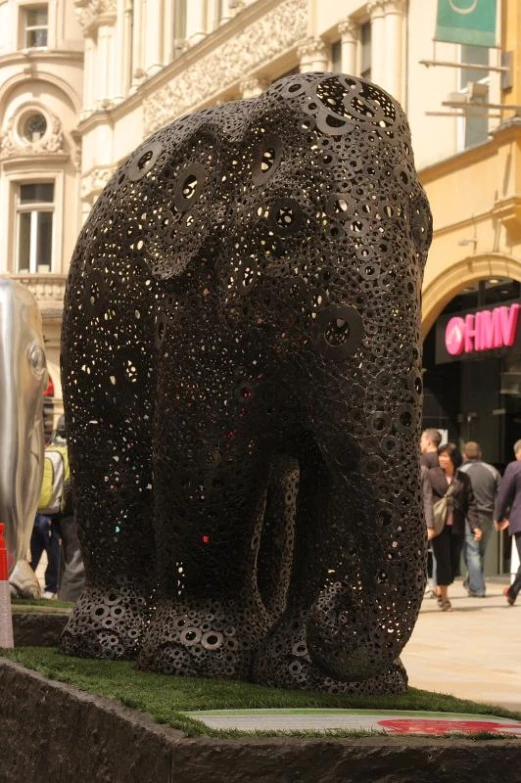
column 165, row 698
column 34, row 605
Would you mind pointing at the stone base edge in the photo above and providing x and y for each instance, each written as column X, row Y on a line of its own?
column 52, row 731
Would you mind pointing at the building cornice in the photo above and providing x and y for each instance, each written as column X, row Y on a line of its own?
column 509, row 130
column 98, row 117
column 378, row 7
column 45, row 160
column 457, row 162
column 506, row 133
column 26, row 56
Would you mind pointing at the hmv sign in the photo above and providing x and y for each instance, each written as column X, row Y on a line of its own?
column 492, row 330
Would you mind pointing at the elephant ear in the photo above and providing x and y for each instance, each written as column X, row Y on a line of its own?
column 168, row 201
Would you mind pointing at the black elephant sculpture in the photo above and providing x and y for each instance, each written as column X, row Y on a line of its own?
column 242, row 379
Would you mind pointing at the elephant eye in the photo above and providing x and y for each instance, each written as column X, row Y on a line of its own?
column 189, row 186
column 267, row 156
column 36, row 358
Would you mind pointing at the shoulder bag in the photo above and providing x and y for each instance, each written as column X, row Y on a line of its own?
column 440, row 509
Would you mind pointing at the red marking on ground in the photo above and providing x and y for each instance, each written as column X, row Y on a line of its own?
column 435, row 726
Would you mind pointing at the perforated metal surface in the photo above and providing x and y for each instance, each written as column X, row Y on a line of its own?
column 241, row 369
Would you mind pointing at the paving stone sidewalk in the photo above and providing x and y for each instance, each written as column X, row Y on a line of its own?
column 473, row 652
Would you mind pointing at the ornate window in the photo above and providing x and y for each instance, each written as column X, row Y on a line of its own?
column 35, row 215
column 34, row 127
column 36, row 25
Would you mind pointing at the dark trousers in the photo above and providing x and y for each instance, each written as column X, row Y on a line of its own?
column 447, row 551
column 45, row 537
column 515, row 587
column 72, row 572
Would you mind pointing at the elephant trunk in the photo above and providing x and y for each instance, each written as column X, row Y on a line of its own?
column 370, row 597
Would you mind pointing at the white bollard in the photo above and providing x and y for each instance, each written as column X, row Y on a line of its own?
column 6, row 617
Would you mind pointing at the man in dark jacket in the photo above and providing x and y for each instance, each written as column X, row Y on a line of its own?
column 429, row 443
column 485, row 481
column 509, row 498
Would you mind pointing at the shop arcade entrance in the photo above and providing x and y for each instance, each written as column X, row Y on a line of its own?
column 472, row 378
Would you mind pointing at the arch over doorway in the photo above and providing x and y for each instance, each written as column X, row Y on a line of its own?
column 449, row 282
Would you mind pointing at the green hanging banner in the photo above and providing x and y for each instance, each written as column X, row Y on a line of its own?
column 470, row 22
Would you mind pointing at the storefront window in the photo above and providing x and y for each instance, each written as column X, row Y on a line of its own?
column 472, row 377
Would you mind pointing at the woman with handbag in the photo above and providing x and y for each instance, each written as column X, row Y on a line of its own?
column 453, row 502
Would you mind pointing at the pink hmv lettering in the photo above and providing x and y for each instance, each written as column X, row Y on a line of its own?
column 482, row 331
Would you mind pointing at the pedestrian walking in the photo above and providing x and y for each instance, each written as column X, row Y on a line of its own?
column 430, row 442
column 508, row 514
column 485, row 481
column 447, row 545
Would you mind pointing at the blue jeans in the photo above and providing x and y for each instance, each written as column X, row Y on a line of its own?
column 474, row 554
column 45, row 537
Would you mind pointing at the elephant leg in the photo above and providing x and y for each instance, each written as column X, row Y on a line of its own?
column 211, row 475
column 209, row 614
column 108, row 377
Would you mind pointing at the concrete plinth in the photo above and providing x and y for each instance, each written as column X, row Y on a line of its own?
column 54, row 732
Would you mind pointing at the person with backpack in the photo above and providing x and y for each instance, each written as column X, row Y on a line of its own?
column 46, row 534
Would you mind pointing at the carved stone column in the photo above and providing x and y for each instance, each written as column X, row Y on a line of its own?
column 312, row 55
column 105, row 68
column 395, row 11
column 251, row 88
column 349, row 38
column 153, row 61
column 195, row 21
column 376, row 10
column 124, row 47
column 89, row 77
column 226, row 11
column 137, row 45
column 98, row 18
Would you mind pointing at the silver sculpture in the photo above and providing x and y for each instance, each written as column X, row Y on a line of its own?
column 23, row 378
